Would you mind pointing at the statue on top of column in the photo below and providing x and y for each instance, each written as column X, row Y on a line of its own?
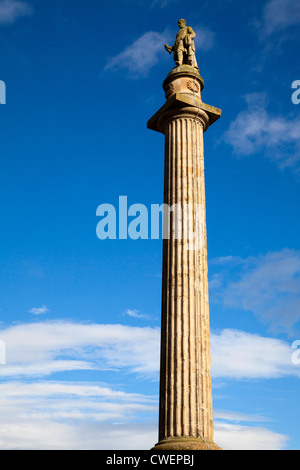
column 184, row 47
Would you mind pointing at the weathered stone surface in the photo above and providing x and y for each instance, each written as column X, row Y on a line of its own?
column 184, row 79
column 186, row 444
column 184, row 46
column 185, row 420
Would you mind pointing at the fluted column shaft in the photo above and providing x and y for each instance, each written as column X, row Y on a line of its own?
column 185, row 384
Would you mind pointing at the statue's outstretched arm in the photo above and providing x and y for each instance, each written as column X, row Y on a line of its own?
column 169, row 49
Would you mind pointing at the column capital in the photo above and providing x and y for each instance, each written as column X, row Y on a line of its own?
column 180, row 105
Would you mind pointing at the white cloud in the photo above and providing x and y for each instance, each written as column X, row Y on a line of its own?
column 56, row 415
column 60, row 415
column 226, row 260
column 47, row 347
column 89, row 415
column 41, row 349
column 279, row 15
column 137, row 314
column 161, row 3
column 205, row 38
column 39, row 311
column 237, row 437
column 267, row 285
column 256, row 130
column 45, row 434
column 83, row 401
column 239, row 355
column 11, row 10
column 141, row 55
column 43, row 389
column 153, row 3
column 238, row 417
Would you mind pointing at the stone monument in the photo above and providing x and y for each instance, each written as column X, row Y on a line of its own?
column 185, row 416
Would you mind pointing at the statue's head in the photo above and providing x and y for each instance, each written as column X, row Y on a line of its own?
column 182, row 23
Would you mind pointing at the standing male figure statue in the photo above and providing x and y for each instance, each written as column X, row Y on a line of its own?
column 184, row 47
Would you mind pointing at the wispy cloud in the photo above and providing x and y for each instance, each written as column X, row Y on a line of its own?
column 11, row 10
column 205, row 38
column 138, row 314
column 138, row 58
column 267, row 285
column 239, row 355
column 161, row 3
column 152, row 3
column 238, row 437
column 57, row 415
column 45, row 414
column 40, row 310
column 278, row 15
column 239, row 417
column 225, row 260
column 257, row 130
column 41, row 349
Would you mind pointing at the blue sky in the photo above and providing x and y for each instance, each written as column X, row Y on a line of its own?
column 80, row 317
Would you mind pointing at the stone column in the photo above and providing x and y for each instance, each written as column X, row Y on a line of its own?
column 185, row 418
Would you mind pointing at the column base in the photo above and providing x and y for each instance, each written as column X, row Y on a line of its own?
column 185, row 443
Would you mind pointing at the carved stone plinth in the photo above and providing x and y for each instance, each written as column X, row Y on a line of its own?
column 185, row 419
